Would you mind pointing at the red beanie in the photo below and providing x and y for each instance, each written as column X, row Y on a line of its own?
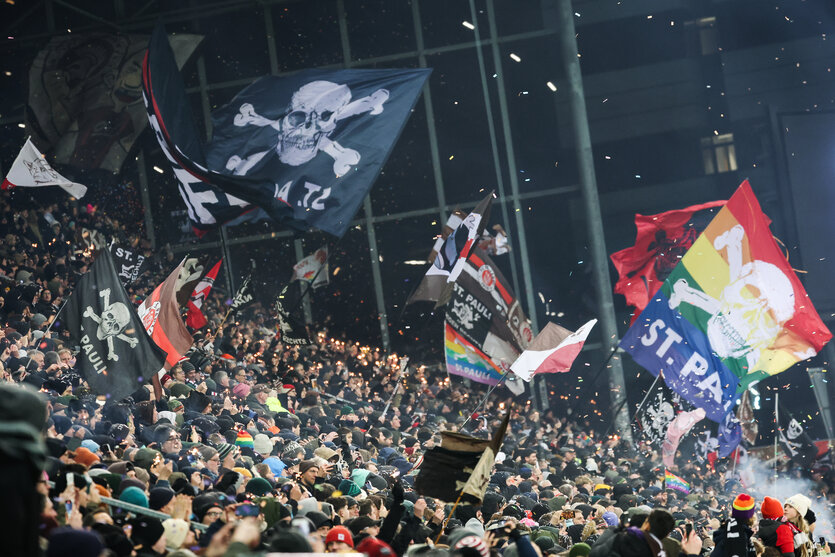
column 772, row 508
column 339, row 534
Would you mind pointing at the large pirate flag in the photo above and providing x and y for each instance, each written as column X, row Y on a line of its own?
column 304, row 148
column 730, row 313
column 116, row 355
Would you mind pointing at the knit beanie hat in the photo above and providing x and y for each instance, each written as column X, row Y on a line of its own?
column 306, row 465
column 744, row 507
column 224, row 449
column 800, row 503
column 262, row 444
column 244, row 440
column 146, row 531
column 579, row 550
column 80, row 543
column 83, row 455
column 347, row 487
column 135, row 496
column 176, row 530
column 259, row 487
column 339, row 534
column 160, row 496
column 772, row 508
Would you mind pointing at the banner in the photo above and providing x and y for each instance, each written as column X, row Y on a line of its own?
column 796, row 443
column 658, row 412
column 195, row 318
column 160, row 315
column 292, row 333
column 671, row 481
column 313, row 268
column 452, row 255
column 85, row 96
column 661, row 242
column 552, row 351
column 129, row 263
column 305, row 148
column 464, row 359
column 730, row 313
column 117, row 356
column 31, row 170
column 243, row 297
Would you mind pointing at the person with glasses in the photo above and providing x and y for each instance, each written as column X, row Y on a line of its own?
column 168, row 439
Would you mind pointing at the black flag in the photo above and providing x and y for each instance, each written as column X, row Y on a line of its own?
column 243, row 297
column 116, row 356
column 291, row 332
column 796, row 442
column 129, row 263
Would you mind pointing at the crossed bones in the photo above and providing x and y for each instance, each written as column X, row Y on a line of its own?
column 109, row 325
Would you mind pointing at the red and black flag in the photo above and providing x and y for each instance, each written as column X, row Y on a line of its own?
column 661, row 242
column 160, row 314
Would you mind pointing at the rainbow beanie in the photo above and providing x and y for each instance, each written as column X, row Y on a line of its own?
column 744, row 507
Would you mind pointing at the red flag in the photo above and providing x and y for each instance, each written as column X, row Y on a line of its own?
column 160, row 315
column 661, row 242
column 195, row 318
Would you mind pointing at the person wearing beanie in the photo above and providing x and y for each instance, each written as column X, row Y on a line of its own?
column 75, row 543
column 161, row 499
column 85, row 457
column 148, row 536
column 347, row 487
column 259, row 487
column 734, row 535
column 244, row 440
column 579, row 550
column 134, row 496
column 308, row 474
column 795, row 509
column 772, row 531
column 176, row 533
column 339, row 539
column 262, row 444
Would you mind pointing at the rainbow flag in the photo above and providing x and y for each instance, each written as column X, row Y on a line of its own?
column 464, row 359
column 731, row 312
column 671, row 481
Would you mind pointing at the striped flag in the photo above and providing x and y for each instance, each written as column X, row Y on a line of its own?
column 731, row 312
column 552, row 351
column 160, row 315
column 195, row 318
column 671, row 481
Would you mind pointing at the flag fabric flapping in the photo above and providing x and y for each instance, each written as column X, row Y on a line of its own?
column 304, row 148
column 671, row 481
column 117, row 356
column 731, row 312
column 796, row 443
column 31, row 170
column 661, row 242
column 678, row 428
column 552, row 351
column 85, row 102
column 452, row 256
column 190, row 275
column 313, row 269
column 160, row 315
column 129, row 262
column 747, row 420
column 461, row 465
column 243, row 297
column 484, row 310
column 292, row 333
column 195, row 318
column 494, row 245
column 729, row 435
column 466, row 360
column 657, row 413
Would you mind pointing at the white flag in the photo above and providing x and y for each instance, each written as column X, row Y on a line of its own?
column 31, row 170
column 307, row 269
column 552, row 351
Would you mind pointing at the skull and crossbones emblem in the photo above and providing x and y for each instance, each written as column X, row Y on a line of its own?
column 305, row 129
column 112, row 323
column 751, row 309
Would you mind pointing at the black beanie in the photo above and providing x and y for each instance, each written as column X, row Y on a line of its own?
column 146, row 532
column 159, row 497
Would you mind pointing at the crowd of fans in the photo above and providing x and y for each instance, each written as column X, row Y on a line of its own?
column 255, row 446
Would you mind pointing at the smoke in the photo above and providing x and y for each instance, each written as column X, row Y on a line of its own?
column 759, row 479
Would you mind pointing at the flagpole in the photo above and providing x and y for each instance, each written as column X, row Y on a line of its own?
column 777, row 429
column 56, row 316
column 646, row 396
column 449, row 516
column 483, row 400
